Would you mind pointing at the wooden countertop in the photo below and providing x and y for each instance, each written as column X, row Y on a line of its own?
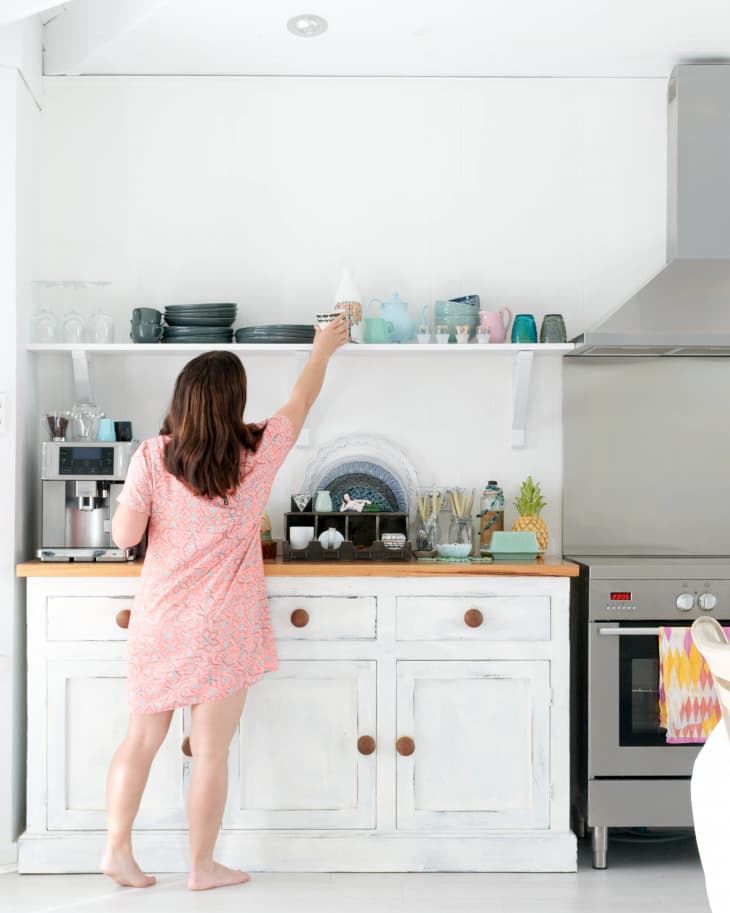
column 543, row 567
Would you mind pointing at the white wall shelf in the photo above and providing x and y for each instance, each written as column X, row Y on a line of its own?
column 522, row 354
column 124, row 348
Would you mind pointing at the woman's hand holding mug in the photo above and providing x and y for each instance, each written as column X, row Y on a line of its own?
column 328, row 339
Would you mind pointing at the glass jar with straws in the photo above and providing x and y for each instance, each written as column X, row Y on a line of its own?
column 428, row 533
column 461, row 525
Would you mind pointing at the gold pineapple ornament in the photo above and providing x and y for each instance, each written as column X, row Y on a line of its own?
column 529, row 504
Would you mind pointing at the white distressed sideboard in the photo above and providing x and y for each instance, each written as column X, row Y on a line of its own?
column 417, row 722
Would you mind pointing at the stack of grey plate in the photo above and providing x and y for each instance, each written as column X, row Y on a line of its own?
column 209, row 323
column 283, row 333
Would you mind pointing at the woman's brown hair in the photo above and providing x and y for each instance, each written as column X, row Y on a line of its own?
column 206, row 427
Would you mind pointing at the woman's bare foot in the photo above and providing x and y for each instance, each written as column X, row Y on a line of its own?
column 217, row 876
column 122, row 868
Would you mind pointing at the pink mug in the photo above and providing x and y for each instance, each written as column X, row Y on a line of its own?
column 497, row 322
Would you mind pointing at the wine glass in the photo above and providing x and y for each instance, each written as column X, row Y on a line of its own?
column 100, row 327
column 44, row 326
column 72, row 329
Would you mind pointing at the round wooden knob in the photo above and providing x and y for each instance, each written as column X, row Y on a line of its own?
column 405, row 746
column 186, row 749
column 299, row 618
column 366, row 744
column 123, row 617
column 473, row 618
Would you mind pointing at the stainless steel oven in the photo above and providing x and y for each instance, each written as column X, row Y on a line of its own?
column 631, row 776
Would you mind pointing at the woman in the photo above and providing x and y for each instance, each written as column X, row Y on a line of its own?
column 200, row 631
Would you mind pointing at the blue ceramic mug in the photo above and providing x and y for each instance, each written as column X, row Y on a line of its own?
column 524, row 328
column 105, row 431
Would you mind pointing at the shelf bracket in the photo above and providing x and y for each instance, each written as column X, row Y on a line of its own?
column 82, row 384
column 522, row 370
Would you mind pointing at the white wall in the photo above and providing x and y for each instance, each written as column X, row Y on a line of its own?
column 19, row 115
column 543, row 195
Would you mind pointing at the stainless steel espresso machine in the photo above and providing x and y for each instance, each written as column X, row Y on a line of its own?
column 80, row 482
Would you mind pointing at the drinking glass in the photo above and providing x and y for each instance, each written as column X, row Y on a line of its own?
column 85, row 421
column 461, row 530
column 524, row 329
column 553, row 329
column 428, row 533
column 56, row 423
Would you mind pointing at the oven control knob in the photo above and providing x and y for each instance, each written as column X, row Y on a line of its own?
column 707, row 601
column 685, row 602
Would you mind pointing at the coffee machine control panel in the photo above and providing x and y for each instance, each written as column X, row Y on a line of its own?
column 86, row 461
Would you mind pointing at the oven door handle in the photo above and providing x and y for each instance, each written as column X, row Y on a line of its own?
column 628, row 632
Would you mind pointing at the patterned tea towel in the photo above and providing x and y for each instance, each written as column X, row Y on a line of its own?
column 688, row 706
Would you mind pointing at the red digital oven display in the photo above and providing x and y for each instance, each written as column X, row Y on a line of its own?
column 620, row 597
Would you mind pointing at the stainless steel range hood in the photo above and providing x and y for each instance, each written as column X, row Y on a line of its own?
column 685, row 309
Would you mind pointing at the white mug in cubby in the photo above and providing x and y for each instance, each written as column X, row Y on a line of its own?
column 301, row 536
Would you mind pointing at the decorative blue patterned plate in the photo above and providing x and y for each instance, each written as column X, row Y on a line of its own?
column 389, row 488
column 362, row 485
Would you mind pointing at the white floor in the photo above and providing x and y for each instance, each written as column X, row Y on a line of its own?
column 665, row 877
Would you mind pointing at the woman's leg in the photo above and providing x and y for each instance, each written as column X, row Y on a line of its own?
column 128, row 774
column 211, row 730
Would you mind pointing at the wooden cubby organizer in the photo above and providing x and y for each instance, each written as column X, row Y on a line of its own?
column 362, row 532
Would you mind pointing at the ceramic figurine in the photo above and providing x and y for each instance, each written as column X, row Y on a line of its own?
column 357, row 504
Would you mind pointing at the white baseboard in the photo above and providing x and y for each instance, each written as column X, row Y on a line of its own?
column 279, row 851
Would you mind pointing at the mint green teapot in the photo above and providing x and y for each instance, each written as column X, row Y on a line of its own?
column 395, row 311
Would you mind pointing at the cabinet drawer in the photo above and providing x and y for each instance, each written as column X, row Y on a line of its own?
column 473, row 617
column 323, row 617
column 86, row 617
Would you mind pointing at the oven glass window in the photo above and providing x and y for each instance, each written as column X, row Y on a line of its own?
column 639, row 692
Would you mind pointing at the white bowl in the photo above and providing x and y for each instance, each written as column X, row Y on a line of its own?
column 393, row 540
column 454, row 550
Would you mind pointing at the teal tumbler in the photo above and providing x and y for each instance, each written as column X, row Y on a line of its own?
column 524, row 328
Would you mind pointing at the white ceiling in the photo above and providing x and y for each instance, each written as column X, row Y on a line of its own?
column 560, row 38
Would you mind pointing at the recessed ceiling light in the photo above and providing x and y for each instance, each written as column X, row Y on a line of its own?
column 307, row 25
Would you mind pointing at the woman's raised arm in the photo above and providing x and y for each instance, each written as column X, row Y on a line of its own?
column 306, row 389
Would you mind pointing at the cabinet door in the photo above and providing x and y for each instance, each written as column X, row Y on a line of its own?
column 481, row 732
column 295, row 761
column 87, row 719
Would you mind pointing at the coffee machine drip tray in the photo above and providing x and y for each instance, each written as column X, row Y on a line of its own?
column 86, row 554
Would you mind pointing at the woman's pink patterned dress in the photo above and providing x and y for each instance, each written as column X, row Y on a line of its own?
column 200, row 627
